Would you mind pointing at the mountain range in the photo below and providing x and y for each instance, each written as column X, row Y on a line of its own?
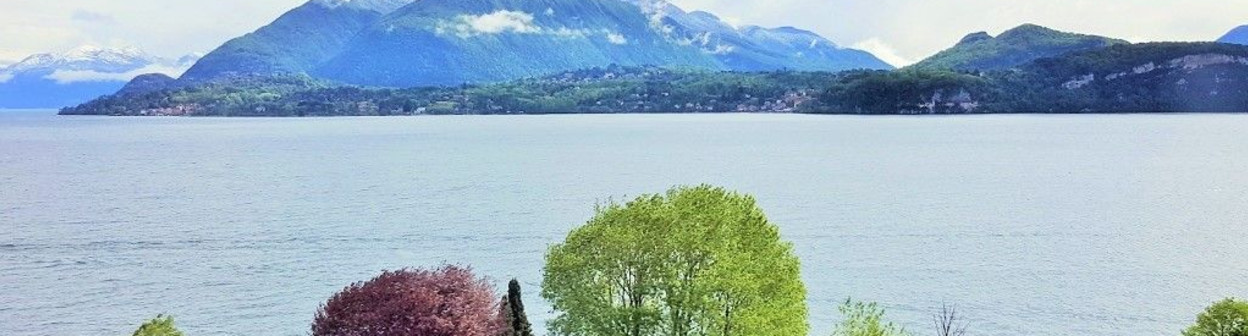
column 1146, row 77
column 78, row 75
column 450, row 42
column 371, row 44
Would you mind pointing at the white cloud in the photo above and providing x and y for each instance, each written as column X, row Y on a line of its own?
column 722, row 49
column 566, row 32
column 616, row 38
column 5, row 77
column 883, row 51
column 503, row 21
column 77, row 76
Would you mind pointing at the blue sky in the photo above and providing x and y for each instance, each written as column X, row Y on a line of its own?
column 899, row 31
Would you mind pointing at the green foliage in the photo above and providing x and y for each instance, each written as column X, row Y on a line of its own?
column 1228, row 317
column 694, row 261
column 904, row 91
column 159, row 326
column 1014, row 47
column 865, row 319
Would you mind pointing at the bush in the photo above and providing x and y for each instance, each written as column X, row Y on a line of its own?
column 159, row 326
column 448, row 301
column 1224, row 318
column 695, row 261
column 865, row 319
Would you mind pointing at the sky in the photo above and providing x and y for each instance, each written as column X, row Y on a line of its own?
column 898, row 31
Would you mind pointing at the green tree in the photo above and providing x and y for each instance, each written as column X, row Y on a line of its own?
column 865, row 319
column 1228, row 317
column 159, row 326
column 694, row 261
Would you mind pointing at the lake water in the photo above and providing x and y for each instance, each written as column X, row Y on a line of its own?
column 1055, row 225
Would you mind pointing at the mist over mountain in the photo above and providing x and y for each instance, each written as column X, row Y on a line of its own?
column 445, row 42
column 61, row 79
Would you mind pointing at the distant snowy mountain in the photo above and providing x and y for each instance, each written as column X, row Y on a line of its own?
column 60, row 79
column 403, row 43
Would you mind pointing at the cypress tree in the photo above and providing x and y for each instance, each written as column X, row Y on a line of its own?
column 513, row 312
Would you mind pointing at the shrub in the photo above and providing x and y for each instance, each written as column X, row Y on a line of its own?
column 448, row 301
column 865, row 319
column 159, row 326
column 1228, row 317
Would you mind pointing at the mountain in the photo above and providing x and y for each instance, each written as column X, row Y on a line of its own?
column 754, row 48
column 297, row 42
column 1238, row 35
column 1014, row 47
column 1147, row 77
column 60, row 79
column 403, row 43
column 1123, row 78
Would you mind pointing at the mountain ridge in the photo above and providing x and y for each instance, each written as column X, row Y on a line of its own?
column 427, row 42
column 1016, row 46
column 1147, row 77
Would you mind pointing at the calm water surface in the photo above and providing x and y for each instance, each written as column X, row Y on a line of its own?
column 1032, row 225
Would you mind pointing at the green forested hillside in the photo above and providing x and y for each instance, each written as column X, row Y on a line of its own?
column 1014, row 47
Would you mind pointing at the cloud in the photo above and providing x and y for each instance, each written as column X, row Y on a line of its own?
column 722, row 49
column 78, row 76
column 566, row 32
column 5, row 77
column 503, row 21
column 87, row 16
column 883, row 51
column 516, row 22
column 616, row 38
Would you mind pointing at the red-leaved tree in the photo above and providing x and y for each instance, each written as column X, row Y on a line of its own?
column 448, row 301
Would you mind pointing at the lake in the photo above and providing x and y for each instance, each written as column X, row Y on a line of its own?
column 1064, row 225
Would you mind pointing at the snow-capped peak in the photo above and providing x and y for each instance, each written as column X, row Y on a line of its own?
column 95, row 63
column 86, row 57
column 100, row 54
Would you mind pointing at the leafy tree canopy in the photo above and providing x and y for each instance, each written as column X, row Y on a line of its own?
column 1228, row 317
column 694, row 261
column 159, row 326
